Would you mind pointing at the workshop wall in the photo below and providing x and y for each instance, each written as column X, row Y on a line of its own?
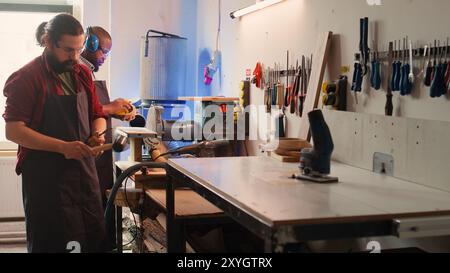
column 127, row 21
column 294, row 24
column 130, row 21
column 96, row 13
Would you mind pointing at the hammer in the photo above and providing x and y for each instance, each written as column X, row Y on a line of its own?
column 119, row 145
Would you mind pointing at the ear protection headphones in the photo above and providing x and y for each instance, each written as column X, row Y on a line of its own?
column 92, row 41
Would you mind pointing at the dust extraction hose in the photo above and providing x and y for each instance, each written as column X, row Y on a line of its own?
column 128, row 172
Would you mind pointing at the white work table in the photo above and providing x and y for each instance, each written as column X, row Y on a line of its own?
column 259, row 193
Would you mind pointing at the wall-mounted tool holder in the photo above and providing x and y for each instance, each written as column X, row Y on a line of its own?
column 286, row 88
column 417, row 52
column 434, row 66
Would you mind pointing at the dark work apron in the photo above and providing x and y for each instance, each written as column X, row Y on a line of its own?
column 104, row 164
column 62, row 197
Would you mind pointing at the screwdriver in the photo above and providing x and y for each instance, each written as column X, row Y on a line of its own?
column 394, row 65
column 406, row 82
column 447, row 72
column 377, row 77
column 403, row 75
column 397, row 69
column 437, row 83
column 428, row 69
column 446, row 69
column 357, row 76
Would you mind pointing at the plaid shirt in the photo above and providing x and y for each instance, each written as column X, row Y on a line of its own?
column 26, row 91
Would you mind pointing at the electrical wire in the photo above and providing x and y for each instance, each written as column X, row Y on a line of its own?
column 132, row 214
column 219, row 25
column 124, row 175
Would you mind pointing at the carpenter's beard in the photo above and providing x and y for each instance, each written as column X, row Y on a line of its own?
column 60, row 67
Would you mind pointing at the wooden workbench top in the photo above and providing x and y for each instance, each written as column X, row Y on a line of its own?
column 261, row 187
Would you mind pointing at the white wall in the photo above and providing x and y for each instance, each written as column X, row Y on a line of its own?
column 207, row 24
column 96, row 13
column 130, row 21
column 293, row 25
column 127, row 22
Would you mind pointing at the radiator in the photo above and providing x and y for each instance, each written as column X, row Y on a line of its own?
column 11, row 205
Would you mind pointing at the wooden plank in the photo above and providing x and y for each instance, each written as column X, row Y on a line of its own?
column 131, row 200
column 187, row 203
column 135, row 132
column 283, row 158
column 136, row 149
column 152, row 180
column 124, row 165
column 320, row 59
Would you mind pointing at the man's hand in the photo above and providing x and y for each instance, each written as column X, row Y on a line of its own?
column 130, row 116
column 119, row 108
column 96, row 140
column 76, row 150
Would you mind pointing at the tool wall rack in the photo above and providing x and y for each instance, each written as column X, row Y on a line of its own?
column 417, row 53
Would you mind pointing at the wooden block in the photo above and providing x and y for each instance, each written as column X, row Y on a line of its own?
column 283, row 158
column 136, row 149
column 153, row 180
column 187, row 203
column 320, row 60
column 288, row 153
column 131, row 200
column 293, row 144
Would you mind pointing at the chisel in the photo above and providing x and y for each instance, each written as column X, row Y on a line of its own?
column 302, row 86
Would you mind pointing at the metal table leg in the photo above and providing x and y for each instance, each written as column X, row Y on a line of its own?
column 119, row 239
column 176, row 241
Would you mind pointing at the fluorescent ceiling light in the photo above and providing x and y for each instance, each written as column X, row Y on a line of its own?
column 252, row 8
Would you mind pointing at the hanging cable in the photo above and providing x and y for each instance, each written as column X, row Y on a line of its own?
column 219, row 26
column 118, row 183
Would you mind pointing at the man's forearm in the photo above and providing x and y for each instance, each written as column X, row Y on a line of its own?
column 19, row 133
column 108, row 109
column 98, row 126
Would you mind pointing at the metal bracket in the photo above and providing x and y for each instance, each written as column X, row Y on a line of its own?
column 383, row 163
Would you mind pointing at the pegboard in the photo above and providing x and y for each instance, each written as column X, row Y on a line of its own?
column 420, row 148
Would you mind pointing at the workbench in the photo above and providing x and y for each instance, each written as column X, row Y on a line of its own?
column 259, row 194
column 192, row 209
